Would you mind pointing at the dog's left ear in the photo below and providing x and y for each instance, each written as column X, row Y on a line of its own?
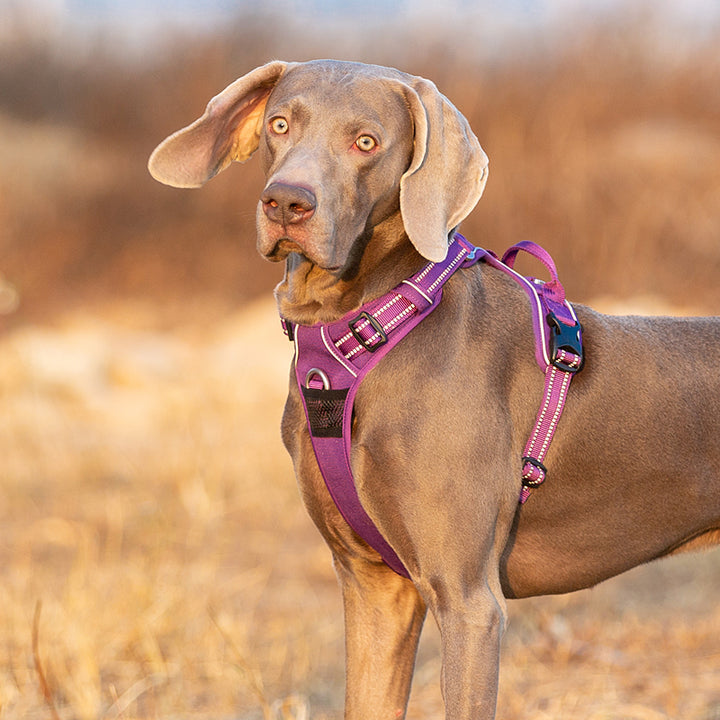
column 447, row 174
column 228, row 130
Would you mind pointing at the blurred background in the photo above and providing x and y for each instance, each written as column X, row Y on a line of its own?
column 155, row 560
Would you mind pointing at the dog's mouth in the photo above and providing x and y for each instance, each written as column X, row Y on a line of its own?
column 282, row 248
column 285, row 246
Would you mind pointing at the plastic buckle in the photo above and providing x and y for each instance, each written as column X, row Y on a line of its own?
column 568, row 338
column 375, row 325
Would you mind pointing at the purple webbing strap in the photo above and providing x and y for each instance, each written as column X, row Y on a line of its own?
column 557, row 383
column 553, row 318
column 337, row 356
column 545, row 297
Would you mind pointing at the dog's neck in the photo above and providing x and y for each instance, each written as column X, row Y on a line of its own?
column 308, row 294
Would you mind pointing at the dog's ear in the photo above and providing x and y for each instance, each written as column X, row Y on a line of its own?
column 447, row 174
column 228, row 130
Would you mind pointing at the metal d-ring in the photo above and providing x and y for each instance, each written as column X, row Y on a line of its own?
column 321, row 374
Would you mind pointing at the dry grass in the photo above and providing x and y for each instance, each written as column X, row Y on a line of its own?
column 148, row 505
column 155, row 560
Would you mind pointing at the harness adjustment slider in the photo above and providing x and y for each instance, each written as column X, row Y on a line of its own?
column 376, row 340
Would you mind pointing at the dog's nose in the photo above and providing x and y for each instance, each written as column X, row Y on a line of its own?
column 287, row 204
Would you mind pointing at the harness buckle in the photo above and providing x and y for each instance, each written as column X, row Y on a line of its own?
column 565, row 338
column 368, row 343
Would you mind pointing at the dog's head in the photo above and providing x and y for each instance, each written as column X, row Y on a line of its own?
column 343, row 146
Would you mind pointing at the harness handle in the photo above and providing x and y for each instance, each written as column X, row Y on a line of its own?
column 554, row 288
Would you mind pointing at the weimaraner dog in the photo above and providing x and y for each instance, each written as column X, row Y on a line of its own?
column 369, row 171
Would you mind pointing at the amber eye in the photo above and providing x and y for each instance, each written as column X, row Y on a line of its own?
column 279, row 125
column 365, row 143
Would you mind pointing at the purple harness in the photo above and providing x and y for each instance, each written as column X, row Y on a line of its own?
column 331, row 361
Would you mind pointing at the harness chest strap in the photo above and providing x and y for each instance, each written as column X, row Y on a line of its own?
column 331, row 361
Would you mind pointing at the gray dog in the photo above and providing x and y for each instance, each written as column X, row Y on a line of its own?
column 369, row 171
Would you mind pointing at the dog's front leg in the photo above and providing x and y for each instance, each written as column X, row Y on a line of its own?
column 384, row 615
column 461, row 587
column 470, row 634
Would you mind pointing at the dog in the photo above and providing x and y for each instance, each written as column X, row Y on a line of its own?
column 369, row 171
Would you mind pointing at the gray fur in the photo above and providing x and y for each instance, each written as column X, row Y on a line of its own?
column 442, row 421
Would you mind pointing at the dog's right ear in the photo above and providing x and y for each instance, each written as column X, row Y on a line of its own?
column 228, row 130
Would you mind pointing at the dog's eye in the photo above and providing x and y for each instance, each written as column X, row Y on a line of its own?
column 279, row 125
column 365, row 143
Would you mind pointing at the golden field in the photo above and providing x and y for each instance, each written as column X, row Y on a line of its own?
column 155, row 559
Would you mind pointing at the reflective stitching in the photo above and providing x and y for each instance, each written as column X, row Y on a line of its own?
column 394, row 321
column 330, row 349
column 450, row 268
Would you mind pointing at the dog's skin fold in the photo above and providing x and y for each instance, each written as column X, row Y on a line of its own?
column 368, row 170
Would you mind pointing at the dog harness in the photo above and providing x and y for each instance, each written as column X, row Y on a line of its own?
column 332, row 359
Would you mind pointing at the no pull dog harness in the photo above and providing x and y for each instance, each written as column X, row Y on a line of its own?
column 332, row 359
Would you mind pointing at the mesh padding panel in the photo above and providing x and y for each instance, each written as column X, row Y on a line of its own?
column 325, row 411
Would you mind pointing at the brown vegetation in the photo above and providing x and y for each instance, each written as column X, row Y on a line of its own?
column 155, row 560
column 605, row 151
